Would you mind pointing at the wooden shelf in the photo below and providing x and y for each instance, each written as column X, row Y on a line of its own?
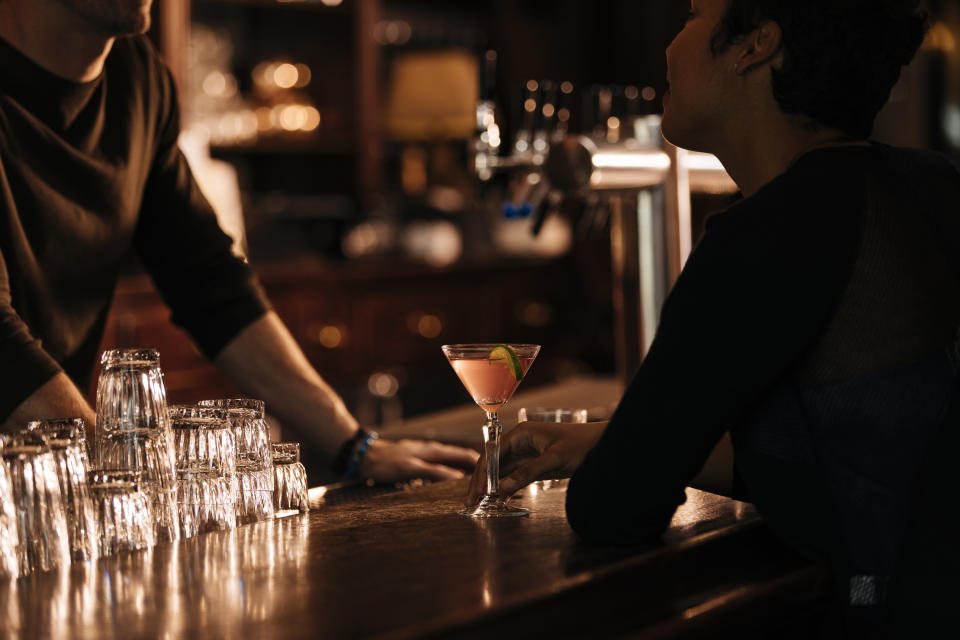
column 344, row 9
column 307, row 147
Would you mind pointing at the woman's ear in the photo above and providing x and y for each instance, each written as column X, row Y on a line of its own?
column 761, row 46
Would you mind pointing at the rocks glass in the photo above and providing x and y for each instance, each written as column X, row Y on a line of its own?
column 124, row 512
column 41, row 522
column 254, row 458
column 542, row 414
column 289, row 479
column 206, row 454
column 9, row 534
column 67, row 444
column 550, row 414
column 73, row 429
column 133, row 430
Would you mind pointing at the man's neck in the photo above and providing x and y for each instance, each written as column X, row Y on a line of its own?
column 55, row 38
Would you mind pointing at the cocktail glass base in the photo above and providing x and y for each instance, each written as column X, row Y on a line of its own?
column 494, row 507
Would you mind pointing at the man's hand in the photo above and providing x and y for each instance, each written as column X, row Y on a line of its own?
column 395, row 460
column 536, row 451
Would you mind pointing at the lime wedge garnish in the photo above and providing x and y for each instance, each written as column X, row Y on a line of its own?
column 505, row 354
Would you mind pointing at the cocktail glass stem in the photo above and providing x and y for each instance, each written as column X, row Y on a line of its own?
column 491, row 440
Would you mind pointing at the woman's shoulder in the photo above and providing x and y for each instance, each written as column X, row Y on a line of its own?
column 829, row 183
column 816, row 189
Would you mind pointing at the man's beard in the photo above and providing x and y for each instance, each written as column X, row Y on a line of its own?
column 113, row 17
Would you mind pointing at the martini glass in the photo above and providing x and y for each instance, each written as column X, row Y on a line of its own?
column 491, row 373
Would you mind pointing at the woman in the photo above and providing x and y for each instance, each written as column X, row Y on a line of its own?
column 815, row 319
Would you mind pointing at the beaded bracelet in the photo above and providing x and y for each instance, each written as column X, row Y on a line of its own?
column 352, row 453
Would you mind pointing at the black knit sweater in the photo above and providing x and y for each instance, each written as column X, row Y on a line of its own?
column 814, row 322
column 89, row 171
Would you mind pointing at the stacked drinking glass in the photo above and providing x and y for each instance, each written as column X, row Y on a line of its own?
column 133, row 431
column 254, row 458
column 289, row 479
column 124, row 512
column 42, row 534
column 206, row 456
column 67, row 443
column 155, row 473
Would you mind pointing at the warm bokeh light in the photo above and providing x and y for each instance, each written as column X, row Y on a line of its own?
column 293, row 117
column 548, row 110
column 940, row 38
column 215, row 84
column 312, row 119
column 395, row 32
column 532, row 85
column 383, row 385
column 530, row 105
column 429, row 326
column 329, row 336
column 566, row 87
column 264, row 119
column 285, row 75
column 304, row 75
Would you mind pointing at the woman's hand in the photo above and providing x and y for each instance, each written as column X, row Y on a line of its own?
column 396, row 460
column 536, row 451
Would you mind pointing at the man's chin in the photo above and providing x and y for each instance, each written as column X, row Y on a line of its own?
column 134, row 27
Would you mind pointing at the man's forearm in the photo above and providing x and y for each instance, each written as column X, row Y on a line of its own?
column 265, row 361
column 58, row 398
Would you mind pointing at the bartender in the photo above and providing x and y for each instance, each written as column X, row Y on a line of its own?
column 90, row 169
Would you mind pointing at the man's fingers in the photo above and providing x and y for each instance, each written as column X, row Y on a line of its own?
column 446, row 454
column 422, row 469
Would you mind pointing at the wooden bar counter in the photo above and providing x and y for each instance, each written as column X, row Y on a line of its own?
column 400, row 562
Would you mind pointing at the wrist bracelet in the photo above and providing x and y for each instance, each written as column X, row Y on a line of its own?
column 352, row 453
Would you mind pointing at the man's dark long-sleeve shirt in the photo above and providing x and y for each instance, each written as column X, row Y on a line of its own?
column 87, row 171
column 813, row 322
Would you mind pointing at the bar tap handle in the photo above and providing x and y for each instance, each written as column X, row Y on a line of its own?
column 527, row 117
column 548, row 110
column 632, row 95
column 604, row 107
column 549, row 203
column 544, row 118
column 488, row 79
column 564, row 100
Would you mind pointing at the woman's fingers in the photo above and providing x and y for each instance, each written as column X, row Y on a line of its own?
column 517, row 446
column 477, row 486
column 548, row 464
column 535, row 451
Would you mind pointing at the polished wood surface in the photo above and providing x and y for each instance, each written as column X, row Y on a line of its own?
column 365, row 563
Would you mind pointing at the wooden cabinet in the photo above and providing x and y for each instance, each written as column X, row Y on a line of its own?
column 354, row 322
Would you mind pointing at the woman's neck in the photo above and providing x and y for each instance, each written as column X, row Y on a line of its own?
column 759, row 154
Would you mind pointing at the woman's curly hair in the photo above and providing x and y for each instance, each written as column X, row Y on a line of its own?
column 841, row 57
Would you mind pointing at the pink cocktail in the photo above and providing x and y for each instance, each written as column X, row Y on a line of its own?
column 491, row 373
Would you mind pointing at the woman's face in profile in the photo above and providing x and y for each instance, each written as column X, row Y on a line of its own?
column 694, row 104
